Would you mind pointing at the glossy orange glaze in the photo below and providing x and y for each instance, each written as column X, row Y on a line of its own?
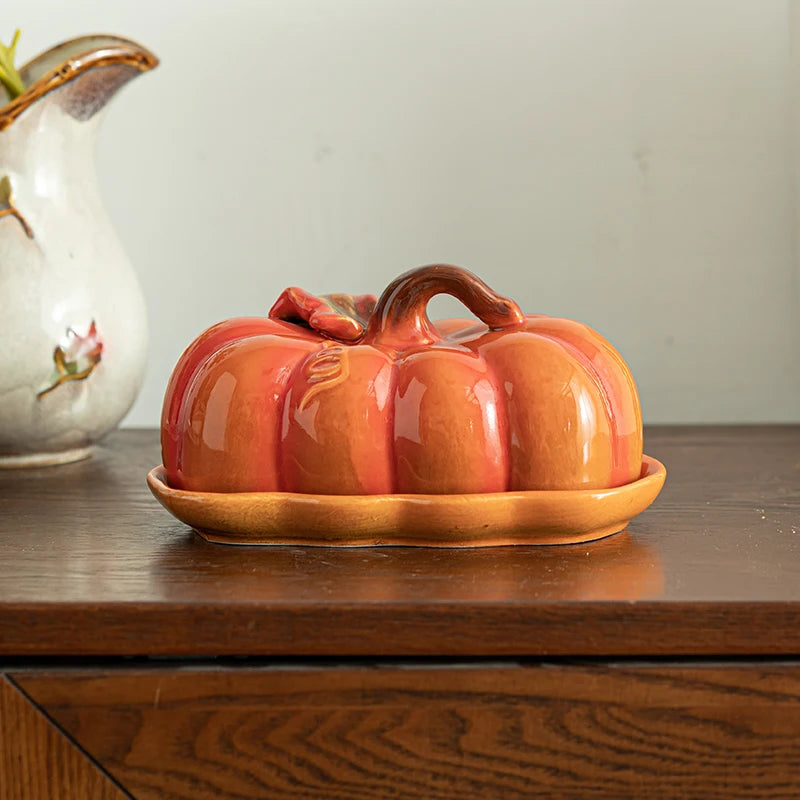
column 336, row 429
column 450, row 428
column 508, row 403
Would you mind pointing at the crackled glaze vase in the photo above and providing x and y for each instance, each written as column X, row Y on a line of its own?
column 73, row 323
column 349, row 395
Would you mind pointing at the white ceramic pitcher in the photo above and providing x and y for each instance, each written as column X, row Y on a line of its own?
column 73, row 329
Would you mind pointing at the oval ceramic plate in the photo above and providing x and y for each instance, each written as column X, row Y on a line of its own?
column 443, row 520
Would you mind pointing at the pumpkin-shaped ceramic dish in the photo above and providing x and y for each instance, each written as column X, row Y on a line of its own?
column 350, row 420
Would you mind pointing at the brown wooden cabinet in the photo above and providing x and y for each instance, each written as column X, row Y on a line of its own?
column 138, row 660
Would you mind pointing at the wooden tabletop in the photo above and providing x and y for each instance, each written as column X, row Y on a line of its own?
column 90, row 564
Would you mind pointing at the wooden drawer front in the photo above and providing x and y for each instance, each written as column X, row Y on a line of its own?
column 506, row 731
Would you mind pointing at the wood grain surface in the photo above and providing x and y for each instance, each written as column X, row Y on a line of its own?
column 91, row 564
column 37, row 762
column 582, row 731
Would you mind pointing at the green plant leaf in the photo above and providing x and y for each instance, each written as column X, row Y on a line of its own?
column 9, row 76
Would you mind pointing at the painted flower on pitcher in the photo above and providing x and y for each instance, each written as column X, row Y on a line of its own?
column 75, row 358
column 7, row 207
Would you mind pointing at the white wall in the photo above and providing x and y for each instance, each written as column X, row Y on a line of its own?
column 630, row 163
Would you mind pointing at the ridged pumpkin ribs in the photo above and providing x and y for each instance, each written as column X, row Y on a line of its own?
column 344, row 394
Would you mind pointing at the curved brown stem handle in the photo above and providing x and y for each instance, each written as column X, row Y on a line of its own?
column 400, row 319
